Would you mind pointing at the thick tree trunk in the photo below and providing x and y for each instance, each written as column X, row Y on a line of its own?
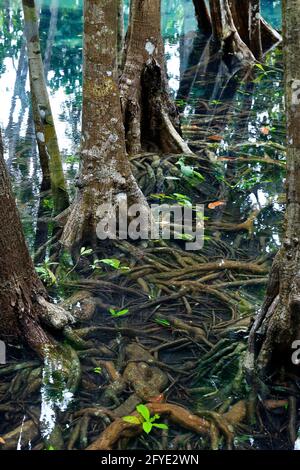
column 149, row 115
column 203, row 16
column 20, row 287
column 45, row 130
column 24, row 308
column 224, row 30
column 277, row 325
column 105, row 170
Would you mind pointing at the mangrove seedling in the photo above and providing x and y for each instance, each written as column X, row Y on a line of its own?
column 145, row 419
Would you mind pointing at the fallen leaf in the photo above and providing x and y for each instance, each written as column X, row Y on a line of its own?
column 2, row 441
column 265, row 130
column 215, row 204
column 216, row 138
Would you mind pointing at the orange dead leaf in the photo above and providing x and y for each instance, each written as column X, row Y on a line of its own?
column 2, row 441
column 265, row 130
column 216, row 138
column 215, row 204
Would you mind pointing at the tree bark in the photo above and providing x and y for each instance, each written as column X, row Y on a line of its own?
column 121, row 34
column 203, row 16
column 150, row 117
column 277, row 325
column 51, row 36
column 45, row 129
column 225, row 31
column 255, row 29
column 20, row 287
column 105, row 176
column 242, row 13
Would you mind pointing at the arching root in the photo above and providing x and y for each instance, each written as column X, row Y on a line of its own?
column 176, row 414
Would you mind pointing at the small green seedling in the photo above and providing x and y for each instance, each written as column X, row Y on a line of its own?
column 118, row 313
column 145, row 419
column 97, row 370
column 113, row 263
column 46, row 274
column 85, row 251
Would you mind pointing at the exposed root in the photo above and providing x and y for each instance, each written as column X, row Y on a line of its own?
column 174, row 413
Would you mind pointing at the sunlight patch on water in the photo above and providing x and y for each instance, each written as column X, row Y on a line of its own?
column 55, row 395
column 19, row 446
column 173, row 65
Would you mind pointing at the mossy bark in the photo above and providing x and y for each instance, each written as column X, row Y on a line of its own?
column 20, row 287
column 45, row 129
column 150, row 117
column 105, row 174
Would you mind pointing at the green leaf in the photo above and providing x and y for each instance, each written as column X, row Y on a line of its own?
column 119, row 313
column 85, row 251
column 162, row 321
column 160, row 425
column 51, row 276
column 132, row 419
column 97, row 370
column 185, row 236
column 144, row 411
column 259, row 66
column 199, row 176
column 113, row 263
column 147, row 426
column 154, row 418
column 187, row 170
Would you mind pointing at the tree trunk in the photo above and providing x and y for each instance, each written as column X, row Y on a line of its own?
column 277, row 325
column 242, row 13
column 44, row 118
column 20, row 287
column 24, row 309
column 121, row 34
column 224, row 30
column 51, row 36
column 105, row 170
column 203, row 16
column 150, row 117
column 255, row 29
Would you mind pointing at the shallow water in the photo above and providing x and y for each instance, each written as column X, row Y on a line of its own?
column 236, row 119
